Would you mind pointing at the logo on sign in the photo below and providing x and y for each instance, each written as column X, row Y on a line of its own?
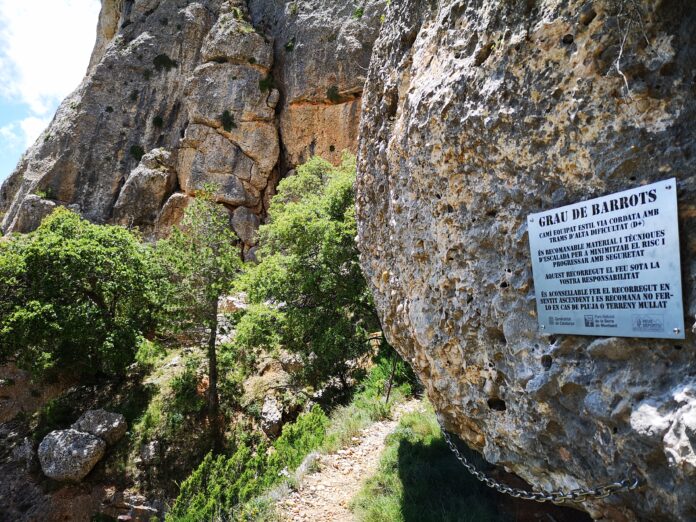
column 589, row 321
column 648, row 323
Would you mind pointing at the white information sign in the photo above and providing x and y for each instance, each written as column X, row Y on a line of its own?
column 610, row 266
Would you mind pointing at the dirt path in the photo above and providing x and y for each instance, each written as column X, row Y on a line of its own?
column 324, row 496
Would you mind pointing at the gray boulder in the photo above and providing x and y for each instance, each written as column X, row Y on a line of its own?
column 69, row 455
column 103, row 424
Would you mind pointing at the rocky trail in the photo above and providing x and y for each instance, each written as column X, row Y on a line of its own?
column 325, row 496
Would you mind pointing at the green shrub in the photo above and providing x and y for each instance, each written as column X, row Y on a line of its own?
column 298, row 440
column 333, row 95
column 220, row 484
column 358, row 13
column 267, row 83
column 46, row 193
column 308, row 261
column 56, row 414
column 149, row 353
column 137, row 152
column 290, row 45
column 75, row 296
column 162, row 62
column 186, row 399
column 227, row 121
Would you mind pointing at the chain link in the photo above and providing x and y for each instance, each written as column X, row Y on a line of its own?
column 557, row 497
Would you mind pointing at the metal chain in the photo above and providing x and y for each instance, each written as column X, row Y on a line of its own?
column 557, row 497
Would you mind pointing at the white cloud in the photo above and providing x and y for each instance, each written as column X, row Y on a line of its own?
column 9, row 136
column 44, row 50
column 32, row 127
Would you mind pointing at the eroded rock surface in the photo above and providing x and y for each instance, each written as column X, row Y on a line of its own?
column 181, row 96
column 475, row 115
column 322, row 50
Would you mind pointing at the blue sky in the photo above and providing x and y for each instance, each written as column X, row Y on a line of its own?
column 44, row 52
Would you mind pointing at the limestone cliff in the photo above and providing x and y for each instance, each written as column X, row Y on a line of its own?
column 477, row 113
column 182, row 94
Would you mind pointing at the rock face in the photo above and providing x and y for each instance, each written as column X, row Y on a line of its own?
column 183, row 95
column 69, row 455
column 476, row 114
column 322, row 50
column 103, row 424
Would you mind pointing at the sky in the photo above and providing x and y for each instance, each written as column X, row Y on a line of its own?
column 45, row 47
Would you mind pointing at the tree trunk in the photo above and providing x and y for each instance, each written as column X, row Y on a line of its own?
column 213, row 398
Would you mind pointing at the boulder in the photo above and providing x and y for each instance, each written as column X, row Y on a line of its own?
column 69, row 455
column 475, row 115
column 103, row 424
column 32, row 211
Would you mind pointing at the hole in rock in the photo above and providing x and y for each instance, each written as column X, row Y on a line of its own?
column 483, row 54
column 496, row 404
column 504, row 284
column 546, row 361
column 587, row 17
column 568, row 39
column 677, row 347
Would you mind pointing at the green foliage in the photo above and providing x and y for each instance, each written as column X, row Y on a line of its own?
column 200, row 260
column 267, row 83
column 162, row 62
column 294, row 8
column 290, row 45
column 231, row 487
column 46, row 193
column 137, row 152
column 333, row 95
column 358, row 13
column 55, row 414
column 220, row 484
column 186, row 400
column 376, row 381
column 149, row 353
column 227, row 121
column 307, row 291
column 368, row 406
column 298, row 440
column 419, row 479
column 75, row 295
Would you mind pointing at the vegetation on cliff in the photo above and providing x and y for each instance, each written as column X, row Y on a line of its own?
column 145, row 318
column 75, row 297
